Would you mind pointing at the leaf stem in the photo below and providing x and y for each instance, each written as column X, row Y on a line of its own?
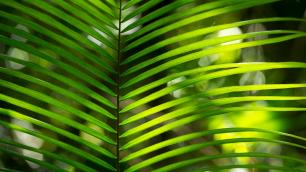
column 118, row 90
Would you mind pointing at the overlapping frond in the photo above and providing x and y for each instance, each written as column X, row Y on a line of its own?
column 73, row 78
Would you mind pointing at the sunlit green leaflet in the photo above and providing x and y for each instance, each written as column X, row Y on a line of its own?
column 102, row 68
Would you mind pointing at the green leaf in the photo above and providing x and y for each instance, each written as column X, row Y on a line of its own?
column 110, row 70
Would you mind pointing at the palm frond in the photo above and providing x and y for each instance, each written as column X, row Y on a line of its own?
column 102, row 69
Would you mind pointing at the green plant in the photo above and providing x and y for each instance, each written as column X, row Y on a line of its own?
column 96, row 89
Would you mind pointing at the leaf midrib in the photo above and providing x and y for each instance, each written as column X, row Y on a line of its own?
column 118, row 88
